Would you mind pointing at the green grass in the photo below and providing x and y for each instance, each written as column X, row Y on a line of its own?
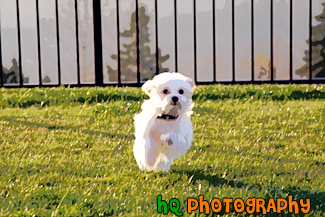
column 69, row 151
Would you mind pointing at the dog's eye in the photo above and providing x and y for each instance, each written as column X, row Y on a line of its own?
column 181, row 91
column 165, row 91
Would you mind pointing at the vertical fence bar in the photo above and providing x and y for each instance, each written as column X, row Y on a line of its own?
column 175, row 26
column 271, row 41
column 290, row 40
column 252, row 42
column 77, row 39
column 310, row 39
column 156, row 30
column 1, row 66
column 214, row 39
column 38, row 45
column 233, row 40
column 19, row 45
column 58, row 39
column 97, row 22
column 118, row 43
column 138, row 39
column 194, row 31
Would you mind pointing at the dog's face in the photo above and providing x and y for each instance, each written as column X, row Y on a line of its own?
column 171, row 92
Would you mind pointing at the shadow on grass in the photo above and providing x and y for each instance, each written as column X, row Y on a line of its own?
column 75, row 129
column 317, row 198
column 103, row 97
column 56, row 96
column 214, row 180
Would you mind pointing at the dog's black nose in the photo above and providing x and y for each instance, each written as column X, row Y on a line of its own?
column 175, row 99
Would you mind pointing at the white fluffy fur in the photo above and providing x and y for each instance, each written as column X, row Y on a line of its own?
column 159, row 141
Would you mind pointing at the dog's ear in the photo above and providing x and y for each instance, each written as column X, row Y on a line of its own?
column 148, row 86
column 191, row 82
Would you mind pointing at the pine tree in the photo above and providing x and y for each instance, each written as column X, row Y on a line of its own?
column 318, row 50
column 129, row 54
column 11, row 75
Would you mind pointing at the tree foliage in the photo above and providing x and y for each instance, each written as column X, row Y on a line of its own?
column 128, row 55
column 318, row 52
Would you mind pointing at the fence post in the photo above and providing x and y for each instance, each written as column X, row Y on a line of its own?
column 1, row 67
column 98, row 42
column 58, row 40
column 21, row 81
column 38, row 44
column 310, row 40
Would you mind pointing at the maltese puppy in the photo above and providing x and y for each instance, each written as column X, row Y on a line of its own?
column 163, row 130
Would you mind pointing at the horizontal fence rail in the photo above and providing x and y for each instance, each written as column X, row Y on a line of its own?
column 147, row 61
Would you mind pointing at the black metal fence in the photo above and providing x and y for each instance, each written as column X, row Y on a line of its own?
column 98, row 48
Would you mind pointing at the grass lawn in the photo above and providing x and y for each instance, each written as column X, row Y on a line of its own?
column 68, row 152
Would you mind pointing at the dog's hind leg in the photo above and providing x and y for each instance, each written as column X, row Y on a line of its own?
column 163, row 162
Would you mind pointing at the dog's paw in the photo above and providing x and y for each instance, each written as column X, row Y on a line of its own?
column 166, row 140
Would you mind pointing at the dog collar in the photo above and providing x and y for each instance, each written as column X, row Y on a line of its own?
column 168, row 117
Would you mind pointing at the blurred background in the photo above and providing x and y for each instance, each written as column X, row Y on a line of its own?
column 33, row 50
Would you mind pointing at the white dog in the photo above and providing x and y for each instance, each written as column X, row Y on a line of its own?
column 163, row 130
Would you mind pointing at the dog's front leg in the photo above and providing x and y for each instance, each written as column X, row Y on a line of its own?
column 175, row 144
column 145, row 148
